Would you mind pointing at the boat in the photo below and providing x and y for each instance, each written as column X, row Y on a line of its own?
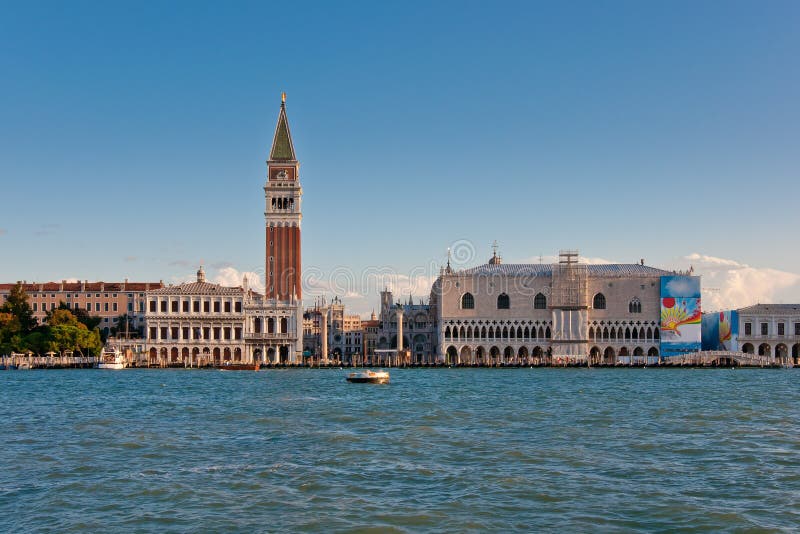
column 369, row 377
column 111, row 358
column 239, row 366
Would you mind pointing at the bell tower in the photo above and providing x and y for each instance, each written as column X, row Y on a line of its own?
column 283, row 216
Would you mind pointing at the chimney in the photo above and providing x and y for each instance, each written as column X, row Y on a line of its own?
column 642, row 260
column 83, row 285
column 102, row 286
column 124, row 284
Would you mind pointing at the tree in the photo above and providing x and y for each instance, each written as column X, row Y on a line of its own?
column 124, row 327
column 81, row 315
column 17, row 305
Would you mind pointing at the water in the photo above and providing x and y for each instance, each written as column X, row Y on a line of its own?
column 451, row 450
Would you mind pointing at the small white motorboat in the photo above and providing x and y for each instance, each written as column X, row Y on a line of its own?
column 369, row 377
column 111, row 358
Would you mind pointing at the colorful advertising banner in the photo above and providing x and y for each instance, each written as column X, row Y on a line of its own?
column 729, row 330
column 681, row 316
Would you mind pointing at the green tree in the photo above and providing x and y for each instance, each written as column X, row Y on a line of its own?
column 82, row 316
column 124, row 327
column 17, row 305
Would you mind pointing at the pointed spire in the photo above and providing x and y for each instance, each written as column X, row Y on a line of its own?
column 282, row 147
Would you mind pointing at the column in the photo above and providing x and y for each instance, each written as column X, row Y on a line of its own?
column 399, row 332
column 323, row 328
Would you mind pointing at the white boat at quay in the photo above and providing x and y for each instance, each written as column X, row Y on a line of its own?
column 111, row 358
column 369, row 377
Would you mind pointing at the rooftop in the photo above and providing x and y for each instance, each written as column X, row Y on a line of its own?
column 546, row 269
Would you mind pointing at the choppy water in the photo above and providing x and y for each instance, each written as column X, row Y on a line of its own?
column 436, row 450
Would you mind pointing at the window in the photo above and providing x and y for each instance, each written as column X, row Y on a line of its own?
column 97, row 306
column 748, row 329
column 539, row 302
column 153, row 332
column 797, row 329
column 88, row 306
column 764, row 329
column 237, row 332
column 206, row 307
column 196, row 306
column 174, row 332
column 163, row 332
column 163, row 306
column 467, row 301
column 781, row 331
column 216, row 308
column 238, row 308
column 152, row 306
column 174, row 306
column 185, row 306
column 113, row 306
column 503, row 302
column 35, row 307
column 635, row 306
column 105, row 306
column 227, row 307
column 130, row 307
column 185, row 332
column 599, row 302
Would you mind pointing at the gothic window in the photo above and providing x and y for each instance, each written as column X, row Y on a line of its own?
column 503, row 302
column 635, row 306
column 599, row 302
column 539, row 302
column 467, row 301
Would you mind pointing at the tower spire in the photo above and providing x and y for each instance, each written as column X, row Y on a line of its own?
column 282, row 146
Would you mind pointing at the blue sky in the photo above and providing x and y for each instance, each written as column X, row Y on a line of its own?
column 133, row 136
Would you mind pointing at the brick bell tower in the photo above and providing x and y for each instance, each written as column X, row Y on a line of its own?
column 281, row 312
column 283, row 215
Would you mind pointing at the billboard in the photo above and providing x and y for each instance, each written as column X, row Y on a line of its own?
column 729, row 330
column 681, row 315
column 721, row 331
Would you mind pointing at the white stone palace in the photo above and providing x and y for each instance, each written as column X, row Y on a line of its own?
column 567, row 312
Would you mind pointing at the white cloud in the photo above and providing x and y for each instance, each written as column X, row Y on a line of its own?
column 232, row 277
column 729, row 284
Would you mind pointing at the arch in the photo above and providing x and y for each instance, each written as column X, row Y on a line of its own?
column 483, row 332
column 641, row 332
column 491, row 332
column 467, row 301
column 782, row 353
column 508, row 355
column 656, row 333
column 185, row 353
column 451, row 355
column 519, row 332
column 226, row 354
column 522, row 355
column 649, row 333
column 447, row 333
column 627, row 333
column 526, row 333
column 257, row 325
column 494, row 353
column 462, row 332
column 595, row 355
column 505, row 333
column 480, row 355
column 284, row 325
column 503, row 302
column 634, row 334
column 469, row 332
column 635, row 305
column 173, row 354
column 605, row 333
column 539, row 302
column 652, row 352
column 216, row 355
column 638, row 351
column 764, row 350
column 465, row 358
column 748, row 348
column 623, row 351
column 541, row 333
column 537, row 352
column 237, row 354
column 270, row 325
column 153, row 355
column 547, row 334
column 608, row 356
column 591, row 332
column 599, row 302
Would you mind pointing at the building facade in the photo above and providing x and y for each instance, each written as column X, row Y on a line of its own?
column 196, row 324
column 407, row 327
column 107, row 300
column 569, row 312
column 771, row 330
